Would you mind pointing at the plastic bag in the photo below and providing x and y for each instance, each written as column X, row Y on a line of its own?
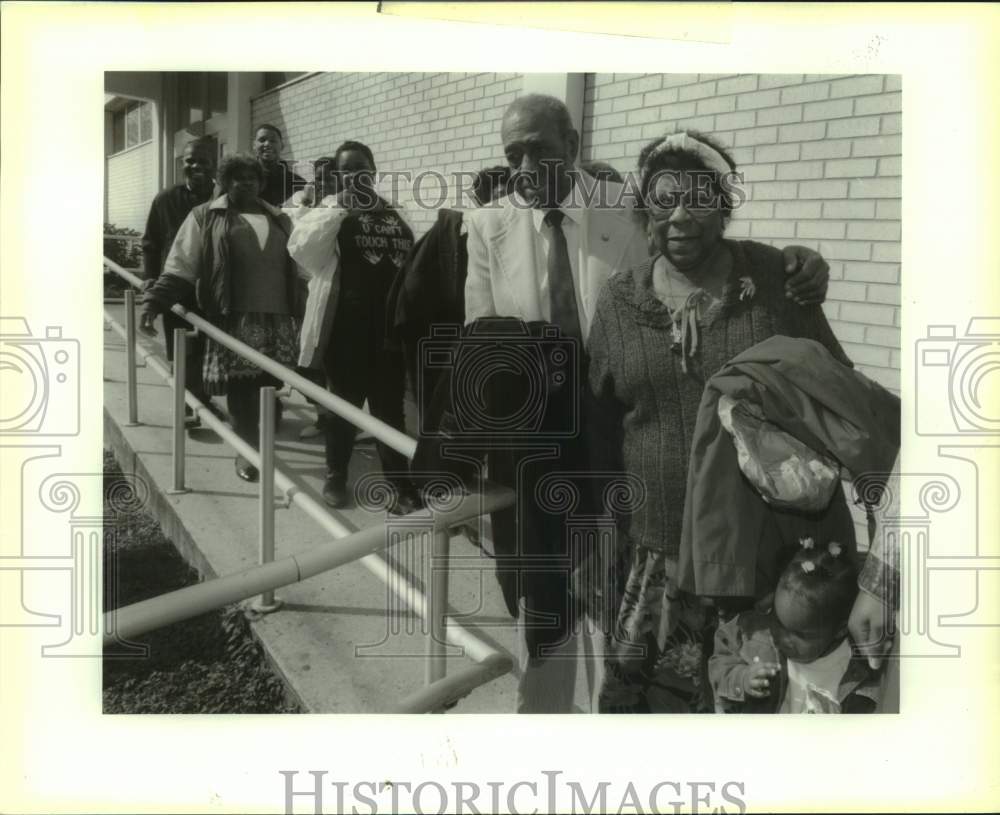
column 785, row 471
column 313, row 242
column 313, row 246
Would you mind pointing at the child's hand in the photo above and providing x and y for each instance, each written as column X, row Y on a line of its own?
column 757, row 679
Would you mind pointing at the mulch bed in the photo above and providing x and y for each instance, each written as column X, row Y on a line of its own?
column 209, row 664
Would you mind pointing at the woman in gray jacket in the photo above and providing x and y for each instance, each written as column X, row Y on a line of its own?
column 233, row 250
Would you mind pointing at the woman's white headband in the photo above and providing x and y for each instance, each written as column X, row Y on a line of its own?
column 683, row 142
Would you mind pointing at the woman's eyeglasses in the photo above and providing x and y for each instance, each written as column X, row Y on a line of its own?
column 696, row 204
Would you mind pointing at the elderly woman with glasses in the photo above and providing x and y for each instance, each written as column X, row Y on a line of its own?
column 661, row 329
column 233, row 250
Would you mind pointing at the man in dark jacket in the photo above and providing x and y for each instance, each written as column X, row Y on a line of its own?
column 279, row 181
column 525, row 419
column 427, row 298
column 167, row 213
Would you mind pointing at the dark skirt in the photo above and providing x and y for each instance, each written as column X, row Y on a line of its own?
column 274, row 335
column 655, row 660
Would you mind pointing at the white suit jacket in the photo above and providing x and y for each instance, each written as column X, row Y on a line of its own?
column 504, row 279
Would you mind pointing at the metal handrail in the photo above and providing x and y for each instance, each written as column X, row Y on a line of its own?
column 263, row 579
column 183, row 604
column 415, row 599
column 398, row 441
column 437, row 696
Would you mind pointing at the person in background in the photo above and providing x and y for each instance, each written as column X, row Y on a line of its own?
column 428, row 296
column 234, row 251
column 322, row 191
column 373, row 243
column 168, row 211
column 797, row 657
column 280, row 182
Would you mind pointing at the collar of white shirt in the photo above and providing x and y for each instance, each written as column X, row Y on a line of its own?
column 574, row 212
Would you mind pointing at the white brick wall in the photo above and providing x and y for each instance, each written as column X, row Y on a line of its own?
column 131, row 186
column 821, row 156
column 412, row 122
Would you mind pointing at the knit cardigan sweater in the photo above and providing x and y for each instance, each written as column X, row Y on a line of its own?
column 645, row 405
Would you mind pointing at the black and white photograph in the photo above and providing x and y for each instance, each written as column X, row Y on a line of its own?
column 520, row 365
column 637, row 334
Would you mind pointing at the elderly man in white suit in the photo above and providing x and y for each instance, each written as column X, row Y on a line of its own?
column 544, row 254
column 508, row 244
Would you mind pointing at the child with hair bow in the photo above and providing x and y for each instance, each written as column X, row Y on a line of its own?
column 797, row 657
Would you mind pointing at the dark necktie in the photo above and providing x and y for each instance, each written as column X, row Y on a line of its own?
column 562, row 296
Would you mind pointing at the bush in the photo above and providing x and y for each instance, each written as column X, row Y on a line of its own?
column 124, row 253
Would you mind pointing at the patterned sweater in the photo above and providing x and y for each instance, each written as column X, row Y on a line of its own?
column 645, row 405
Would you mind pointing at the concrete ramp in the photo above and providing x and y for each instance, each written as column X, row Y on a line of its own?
column 343, row 641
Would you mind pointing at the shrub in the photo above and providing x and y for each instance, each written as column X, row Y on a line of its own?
column 124, row 253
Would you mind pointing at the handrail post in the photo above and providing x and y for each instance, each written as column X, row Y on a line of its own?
column 437, row 602
column 179, row 380
column 130, row 369
column 266, row 602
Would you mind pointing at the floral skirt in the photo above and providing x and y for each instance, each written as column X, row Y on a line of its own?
column 274, row 335
column 656, row 656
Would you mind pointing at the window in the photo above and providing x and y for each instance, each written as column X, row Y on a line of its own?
column 118, row 132
column 145, row 123
column 131, row 126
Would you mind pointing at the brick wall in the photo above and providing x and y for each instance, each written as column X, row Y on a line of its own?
column 821, row 156
column 413, row 122
column 131, row 179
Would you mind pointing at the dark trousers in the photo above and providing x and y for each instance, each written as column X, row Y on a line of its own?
column 317, row 378
column 243, row 403
column 195, row 352
column 379, row 378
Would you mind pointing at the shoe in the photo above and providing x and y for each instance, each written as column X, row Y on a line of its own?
column 335, row 492
column 191, row 419
column 246, row 470
column 407, row 501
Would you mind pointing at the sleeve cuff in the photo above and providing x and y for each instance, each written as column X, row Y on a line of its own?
column 732, row 687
